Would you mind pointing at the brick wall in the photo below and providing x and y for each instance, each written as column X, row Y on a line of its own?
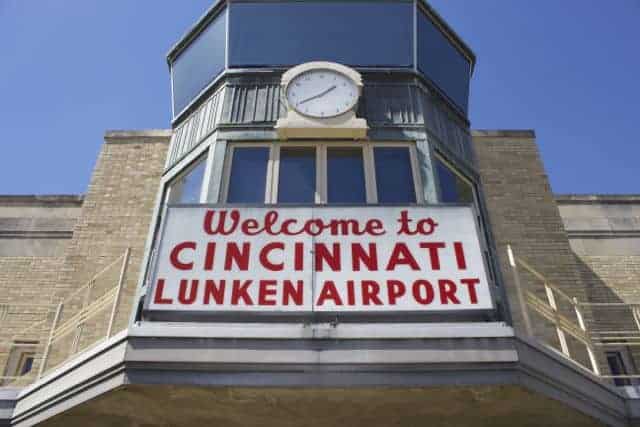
column 604, row 232
column 34, row 232
column 523, row 213
column 116, row 214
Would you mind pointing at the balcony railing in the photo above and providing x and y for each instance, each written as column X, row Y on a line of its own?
column 597, row 326
column 59, row 331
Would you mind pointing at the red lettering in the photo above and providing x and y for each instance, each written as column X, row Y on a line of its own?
column 175, row 253
column 422, row 292
column 323, row 255
column 460, row 259
column 404, row 224
column 448, row 291
column 291, row 293
column 426, row 226
column 222, row 217
column 298, row 257
column 233, row 254
column 266, row 288
column 193, row 291
column 351, row 293
column 239, row 291
column 211, row 290
column 314, row 227
column 401, row 256
column 434, row 256
column 158, row 298
column 375, row 227
column 471, row 288
column 250, row 226
column 209, row 256
column 264, row 256
column 395, row 289
column 359, row 255
column 370, row 291
column 329, row 292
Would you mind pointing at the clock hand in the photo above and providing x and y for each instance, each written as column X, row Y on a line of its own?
column 324, row 92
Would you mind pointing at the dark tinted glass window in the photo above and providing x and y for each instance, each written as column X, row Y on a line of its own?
column 27, row 365
column 247, row 181
column 453, row 189
column 186, row 188
column 345, row 175
column 297, row 175
column 442, row 63
column 616, row 365
column 351, row 33
column 199, row 63
column 394, row 179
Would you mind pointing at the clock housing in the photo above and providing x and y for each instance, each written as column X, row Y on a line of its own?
column 321, row 99
column 322, row 93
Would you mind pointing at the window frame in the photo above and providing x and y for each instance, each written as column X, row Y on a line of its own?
column 449, row 165
column 321, row 195
column 18, row 354
column 201, row 159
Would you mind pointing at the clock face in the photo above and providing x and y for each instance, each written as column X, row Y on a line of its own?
column 322, row 93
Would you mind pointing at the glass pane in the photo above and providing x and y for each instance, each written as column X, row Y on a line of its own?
column 199, row 63
column 442, row 63
column 351, row 33
column 345, row 175
column 248, row 175
column 394, row 179
column 453, row 189
column 187, row 187
column 297, row 180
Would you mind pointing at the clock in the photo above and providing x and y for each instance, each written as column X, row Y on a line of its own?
column 322, row 93
column 321, row 100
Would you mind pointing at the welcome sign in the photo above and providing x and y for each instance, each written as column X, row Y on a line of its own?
column 323, row 259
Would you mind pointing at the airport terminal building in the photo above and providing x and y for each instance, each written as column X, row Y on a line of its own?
column 319, row 238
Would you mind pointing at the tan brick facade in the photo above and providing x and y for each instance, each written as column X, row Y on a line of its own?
column 523, row 214
column 115, row 215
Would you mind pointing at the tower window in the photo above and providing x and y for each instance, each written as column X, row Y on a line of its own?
column 394, row 176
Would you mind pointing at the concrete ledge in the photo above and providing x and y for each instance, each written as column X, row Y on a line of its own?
column 146, row 135
column 151, row 363
column 503, row 133
column 49, row 200
column 597, row 199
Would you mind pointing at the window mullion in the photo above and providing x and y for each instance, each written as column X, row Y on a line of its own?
column 273, row 172
column 417, row 182
column 226, row 173
column 206, row 179
column 370, row 174
column 321, row 174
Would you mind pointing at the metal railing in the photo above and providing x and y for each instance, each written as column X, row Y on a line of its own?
column 60, row 331
column 608, row 324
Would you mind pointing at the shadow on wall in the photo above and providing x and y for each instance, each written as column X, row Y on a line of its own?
column 613, row 327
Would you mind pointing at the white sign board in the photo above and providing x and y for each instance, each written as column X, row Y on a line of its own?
column 322, row 259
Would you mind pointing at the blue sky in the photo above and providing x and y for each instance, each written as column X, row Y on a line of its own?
column 72, row 69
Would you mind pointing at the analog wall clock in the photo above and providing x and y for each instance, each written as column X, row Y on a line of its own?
column 321, row 100
column 322, row 93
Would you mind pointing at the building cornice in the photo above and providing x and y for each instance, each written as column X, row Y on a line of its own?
column 143, row 135
column 597, row 199
column 503, row 133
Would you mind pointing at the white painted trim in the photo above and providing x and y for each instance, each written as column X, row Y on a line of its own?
column 370, row 174
column 323, row 330
column 321, row 196
column 273, row 173
column 207, row 178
